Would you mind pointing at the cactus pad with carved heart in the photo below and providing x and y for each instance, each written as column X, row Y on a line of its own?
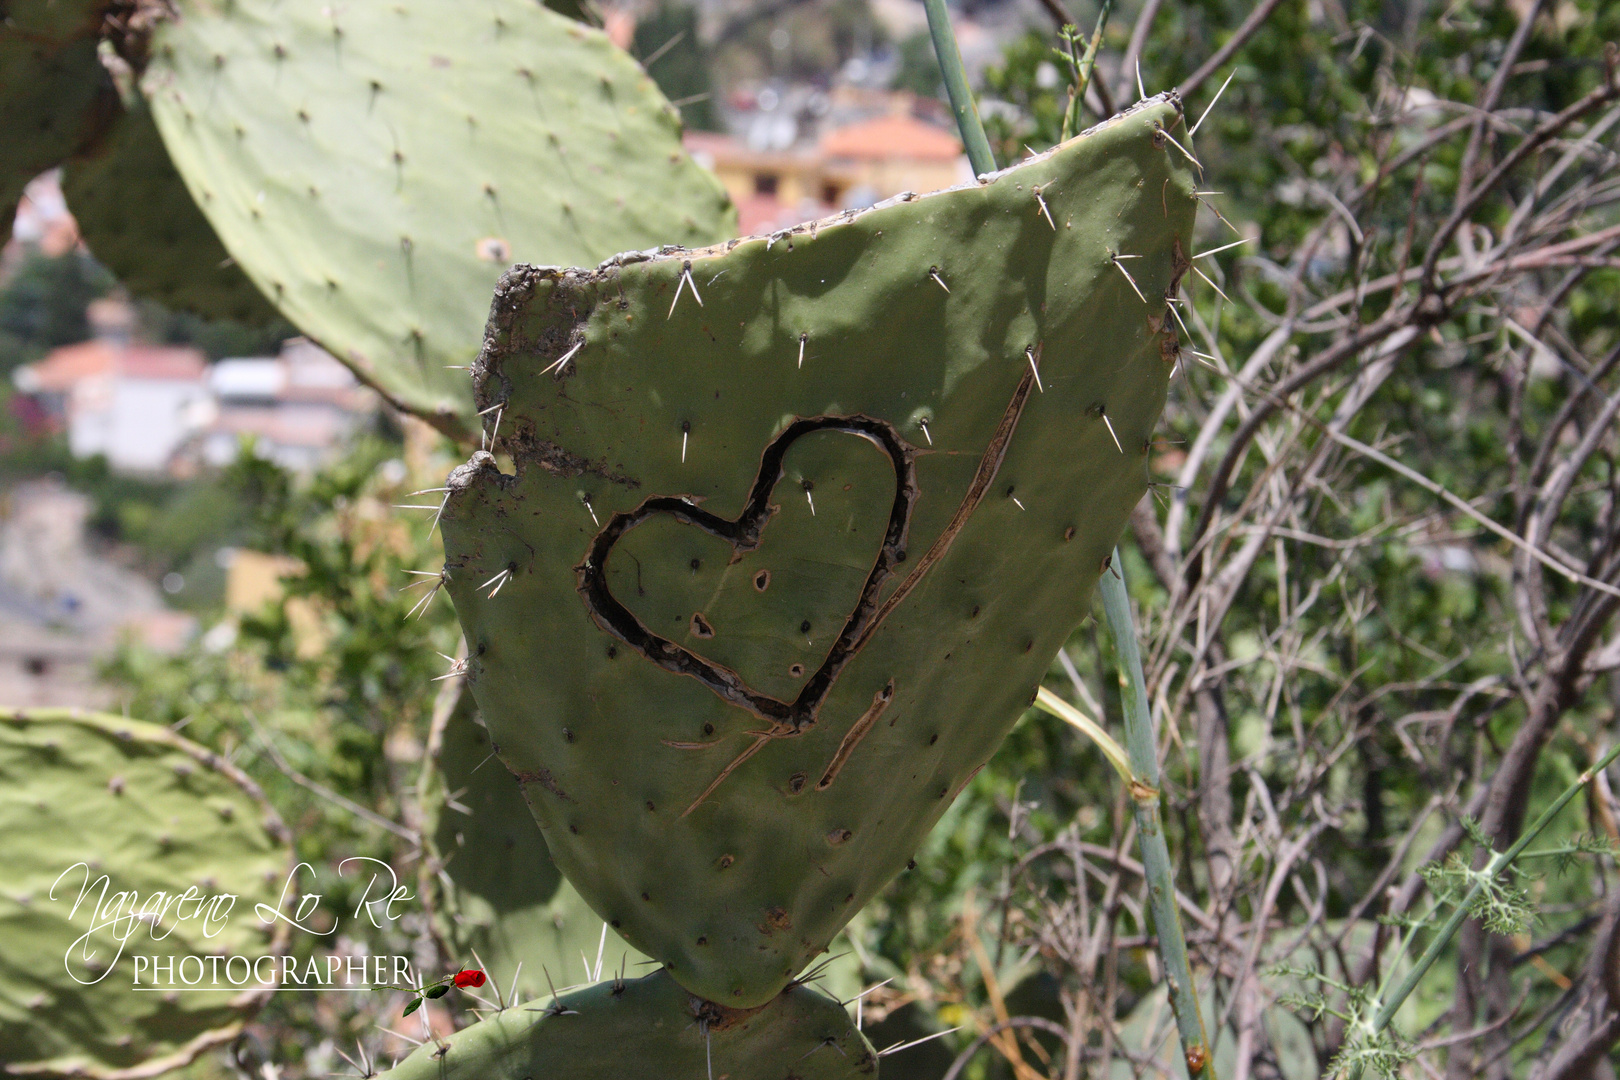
column 796, row 526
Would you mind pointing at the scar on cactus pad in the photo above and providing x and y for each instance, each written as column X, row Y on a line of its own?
column 650, row 1027
column 754, row 624
column 84, row 795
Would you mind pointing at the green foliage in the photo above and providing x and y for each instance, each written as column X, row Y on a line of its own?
column 82, row 796
column 919, row 67
column 374, row 170
column 668, row 46
column 54, row 93
column 650, row 1026
column 923, row 320
column 135, row 214
column 42, row 305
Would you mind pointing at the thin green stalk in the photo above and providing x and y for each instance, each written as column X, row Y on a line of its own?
column 1141, row 746
column 956, row 85
column 1082, row 73
column 1499, row 861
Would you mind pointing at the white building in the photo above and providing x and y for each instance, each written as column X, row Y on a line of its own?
column 166, row 410
column 136, row 404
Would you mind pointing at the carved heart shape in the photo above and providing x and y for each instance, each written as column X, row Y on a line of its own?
column 744, row 533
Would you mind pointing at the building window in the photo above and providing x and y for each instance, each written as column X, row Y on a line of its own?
column 765, row 183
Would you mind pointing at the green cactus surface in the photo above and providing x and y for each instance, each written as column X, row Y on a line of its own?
column 55, row 96
column 56, row 21
column 651, row 1027
column 85, row 796
column 139, row 221
column 497, row 900
column 374, row 168
column 778, row 571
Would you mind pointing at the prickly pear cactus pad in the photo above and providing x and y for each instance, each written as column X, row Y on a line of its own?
column 54, row 93
column 84, row 796
column 496, row 897
column 651, row 1027
column 796, row 528
column 374, row 168
column 139, row 221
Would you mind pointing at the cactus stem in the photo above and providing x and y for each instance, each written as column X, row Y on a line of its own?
column 1209, row 109
column 933, row 272
column 569, row 355
column 1034, row 367
column 1040, row 199
column 1111, row 434
column 1121, row 267
column 802, row 339
column 1212, row 284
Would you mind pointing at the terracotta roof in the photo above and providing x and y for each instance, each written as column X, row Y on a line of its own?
column 890, row 137
column 67, row 365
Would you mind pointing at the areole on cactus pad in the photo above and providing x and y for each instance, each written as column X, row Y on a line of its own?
column 796, row 526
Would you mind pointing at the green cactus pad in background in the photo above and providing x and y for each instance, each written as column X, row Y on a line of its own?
column 54, row 98
column 154, row 813
column 778, row 571
column 374, row 168
column 496, row 898
column 139, row 221
column 651, row 1027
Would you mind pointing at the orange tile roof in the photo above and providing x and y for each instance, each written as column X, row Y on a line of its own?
column 67, row 365
column 893, row 136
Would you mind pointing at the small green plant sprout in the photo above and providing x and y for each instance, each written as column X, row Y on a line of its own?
column 464, row 979
column 1481, row 893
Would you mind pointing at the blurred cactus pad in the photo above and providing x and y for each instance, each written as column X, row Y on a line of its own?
column 796, row 526
column 374, row 168
column 495, row 897
column 139, row 221
column 651, row 1027
column 111, row 817
column 55, row 97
